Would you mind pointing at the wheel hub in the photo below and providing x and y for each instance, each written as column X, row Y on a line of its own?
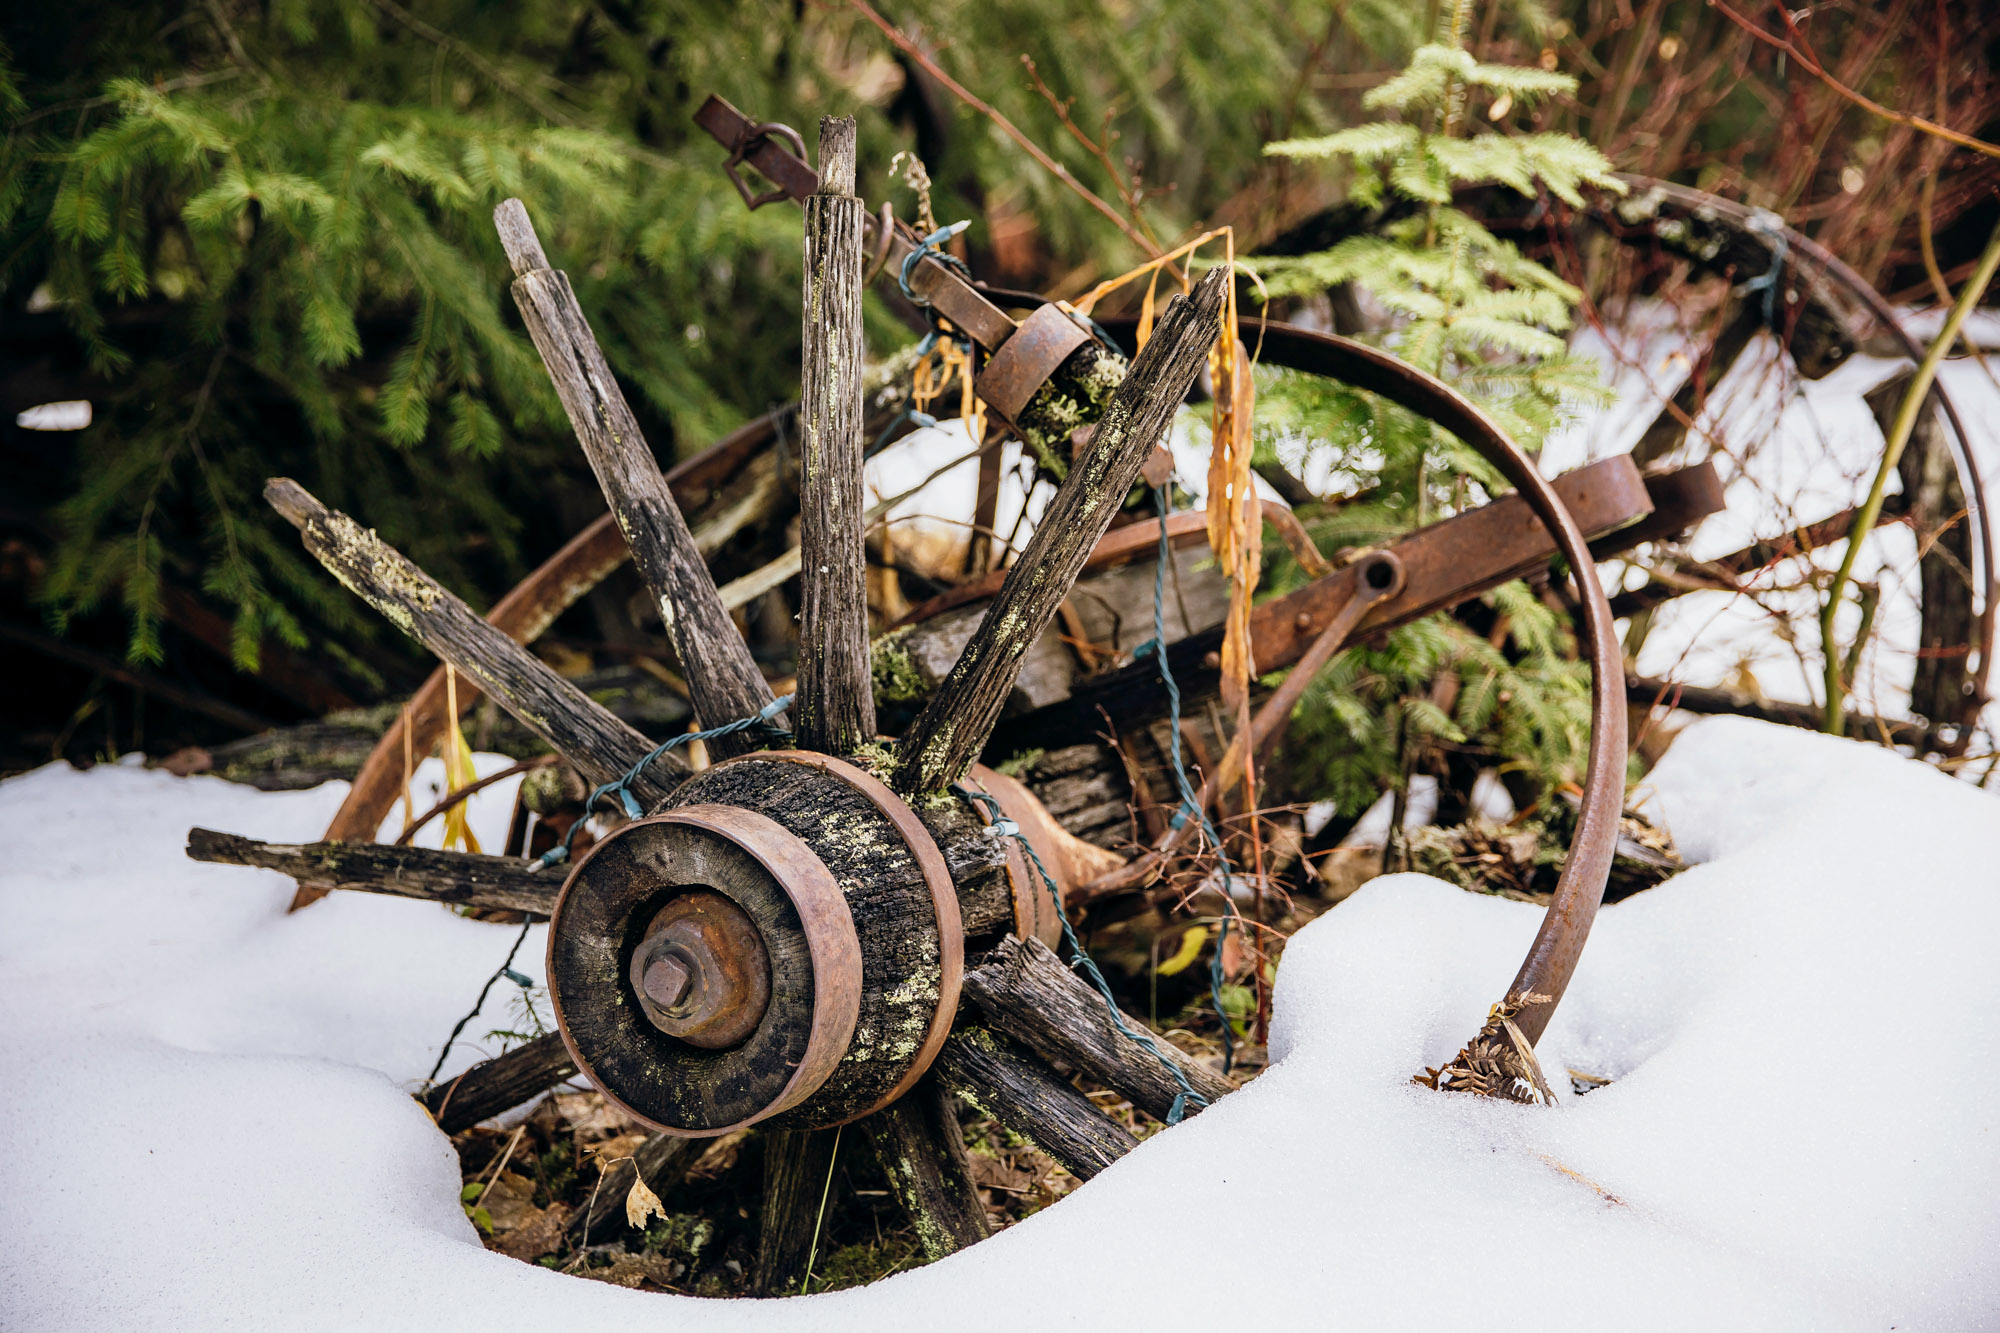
column 701, row 972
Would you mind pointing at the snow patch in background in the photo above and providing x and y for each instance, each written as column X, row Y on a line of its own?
column 1798, row 451
column 204, row 1123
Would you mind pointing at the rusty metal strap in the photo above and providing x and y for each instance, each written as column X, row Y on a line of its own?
column 949, row 293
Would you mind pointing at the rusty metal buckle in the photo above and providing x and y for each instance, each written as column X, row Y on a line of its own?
column 738, row 154
column 1031, row 354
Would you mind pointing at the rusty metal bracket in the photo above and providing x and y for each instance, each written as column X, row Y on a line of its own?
column 1025, row 361
column 791, row 174
column 948, row 292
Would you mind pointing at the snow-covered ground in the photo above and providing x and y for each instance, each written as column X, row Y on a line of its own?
column 203, row 1125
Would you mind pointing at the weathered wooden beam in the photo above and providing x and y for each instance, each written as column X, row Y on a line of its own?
column 918, row 1143
column 1024, row 991
column 500, row 1084
column 1023, row 1094
column 835, row 711
column 572, row 723
column 798, row 1166
column 722, row 676
column 948, row 735
column 465, row 879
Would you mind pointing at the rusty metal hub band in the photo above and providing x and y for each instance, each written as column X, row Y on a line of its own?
column 638, row 939
column 937, row 878
column 1036, row 915
column 1030, row 355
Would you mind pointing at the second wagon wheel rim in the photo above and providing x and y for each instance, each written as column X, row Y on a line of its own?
column 1815, row 280
column 1545, row 973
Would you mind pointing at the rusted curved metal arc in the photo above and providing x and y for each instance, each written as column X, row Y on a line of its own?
column 524, row 613
column 1803, row 248
column 1552, row 958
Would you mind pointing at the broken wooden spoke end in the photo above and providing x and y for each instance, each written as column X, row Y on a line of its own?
column 518, row 239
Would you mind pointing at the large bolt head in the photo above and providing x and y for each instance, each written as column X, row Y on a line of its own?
column 700, row 972
column 666, row 981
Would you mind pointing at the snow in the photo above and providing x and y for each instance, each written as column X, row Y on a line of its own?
column 204, row 1125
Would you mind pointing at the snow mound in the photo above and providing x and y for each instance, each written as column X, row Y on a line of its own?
column 204, row 1126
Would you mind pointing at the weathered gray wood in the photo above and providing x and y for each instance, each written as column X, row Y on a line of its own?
column 722, row 676
column 1024, row 991
column 797, row 1165
column 497, row 1085
column 661, row 1161
column 463, row 878
column 1021, row 1092
column 836, row 706
column 947, row 736
column 573, row 724
column 922, row 1152
column 978, row 866
column 517, row 237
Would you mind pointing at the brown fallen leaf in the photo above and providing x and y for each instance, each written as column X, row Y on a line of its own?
column 589, row 1114
column 1001, row 1174
column 509, row 1201
column 539, row 1234
column 641, row 1203
column 630, row 1270
column 612, row 1149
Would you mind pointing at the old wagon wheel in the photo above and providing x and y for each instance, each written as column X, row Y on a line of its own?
column 782, row 939
column 1820, row 314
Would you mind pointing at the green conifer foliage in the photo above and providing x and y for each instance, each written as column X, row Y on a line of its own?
column 263, row 227
column 1471, row 308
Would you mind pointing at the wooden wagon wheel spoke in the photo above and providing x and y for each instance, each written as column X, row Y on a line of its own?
column 570, row 721
column 836, row 702
column 948, row 735
column 722, row 676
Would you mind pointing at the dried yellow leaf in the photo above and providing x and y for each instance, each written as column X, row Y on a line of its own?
column 641, row 1203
